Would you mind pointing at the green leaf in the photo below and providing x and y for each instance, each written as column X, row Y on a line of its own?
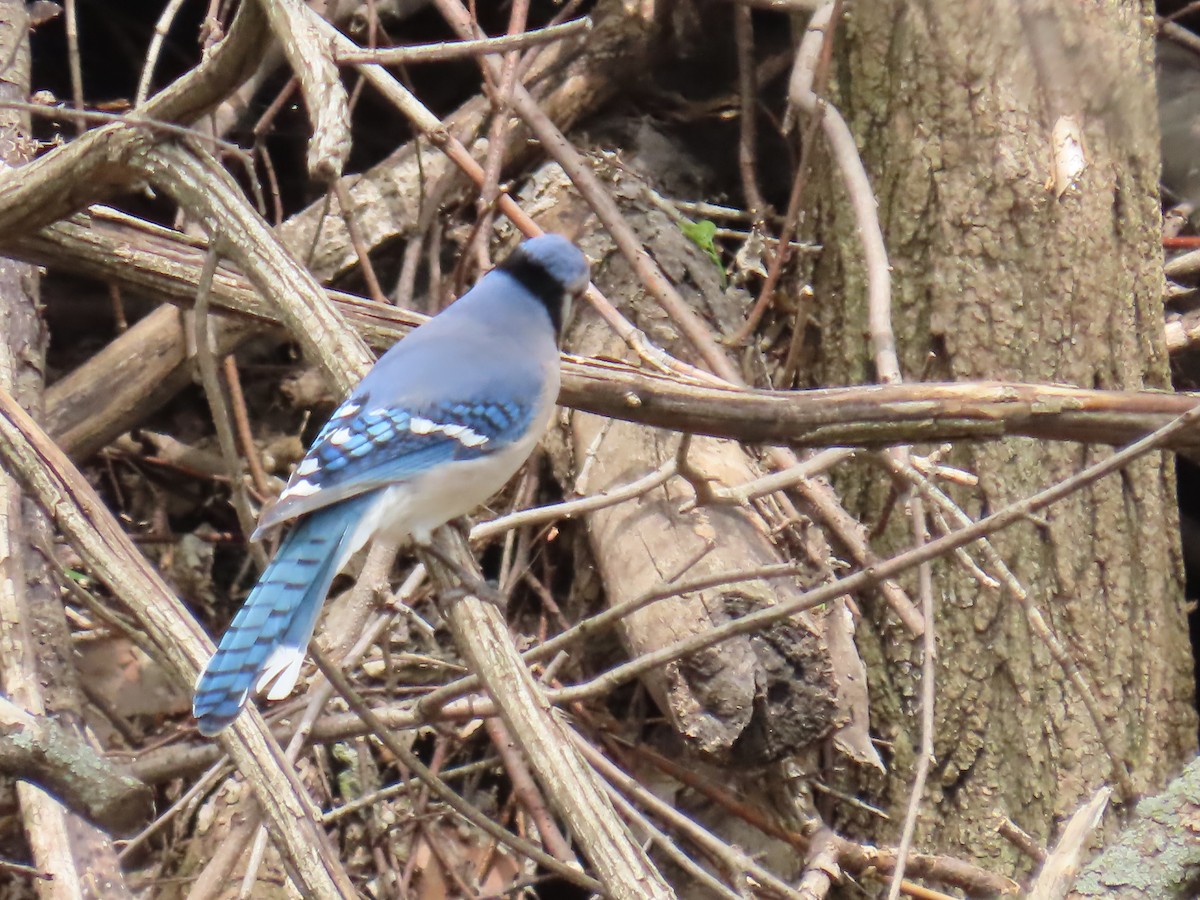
column 701, row 234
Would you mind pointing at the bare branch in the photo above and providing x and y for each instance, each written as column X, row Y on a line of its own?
column 483, row 637
column 428, row 53
column 36, row 749
column 70, row 177
column 328, row 105
column 858, row 188
column 851, row 584
column 83, row 519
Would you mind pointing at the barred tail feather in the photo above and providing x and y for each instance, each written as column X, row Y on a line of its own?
column 267, row 640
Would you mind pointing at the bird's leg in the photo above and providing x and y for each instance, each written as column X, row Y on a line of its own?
column 469, row 578
column 462, row 525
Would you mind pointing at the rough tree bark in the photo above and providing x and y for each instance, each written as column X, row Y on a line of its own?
column 1000, row 273
column 35, row 670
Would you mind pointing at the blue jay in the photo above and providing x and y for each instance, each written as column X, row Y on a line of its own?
column 437, row 426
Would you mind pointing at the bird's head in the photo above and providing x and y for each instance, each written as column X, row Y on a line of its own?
column 554, row 270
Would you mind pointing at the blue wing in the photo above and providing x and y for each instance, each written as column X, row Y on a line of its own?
column 365, row 446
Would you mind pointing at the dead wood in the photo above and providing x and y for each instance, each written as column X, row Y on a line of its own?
column 84, row 520
column 64, row 786
column 1156, row 854
column 110, row 394
column 1061, row 866
column 751, row 699
column 753, row 672
column 572, row 786
column 65, row 765
column 202, row 187
column 388, row 202
column 190, row 176
column 325, row 98
column 97, row 165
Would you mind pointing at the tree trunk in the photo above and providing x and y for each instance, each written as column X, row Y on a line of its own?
column 36, row 669
column 999, row 272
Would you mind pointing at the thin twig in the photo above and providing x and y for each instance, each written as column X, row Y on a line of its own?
column 356, row 239
column 433, row 128
column 857, row 858
column 441, row 52
column 669, row 847
column 132, row 119
column 353, row 617
column 1039, row 626
column 594, row 625
column 813, row 54
column 15, row 868
column 161, row 28
column 812, row 466
column 358, row 804
column 439, row 787
column 526, row 791
column 743, row 35
column 241, row 421
column 586, row 181
column 501, row 97
column 219, row 409
column 783, row 6
column 700, row 483
column 732, row 859
column 1021, row 839
column 822, row 499
column 105, row 548
column 483, row 637
column 73, row 63
column 199, row 788
column 849, row 163
column 928, row 697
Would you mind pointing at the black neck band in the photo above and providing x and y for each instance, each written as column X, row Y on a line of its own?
column 535, row 279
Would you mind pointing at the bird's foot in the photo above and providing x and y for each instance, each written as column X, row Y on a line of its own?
column 470, row 582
